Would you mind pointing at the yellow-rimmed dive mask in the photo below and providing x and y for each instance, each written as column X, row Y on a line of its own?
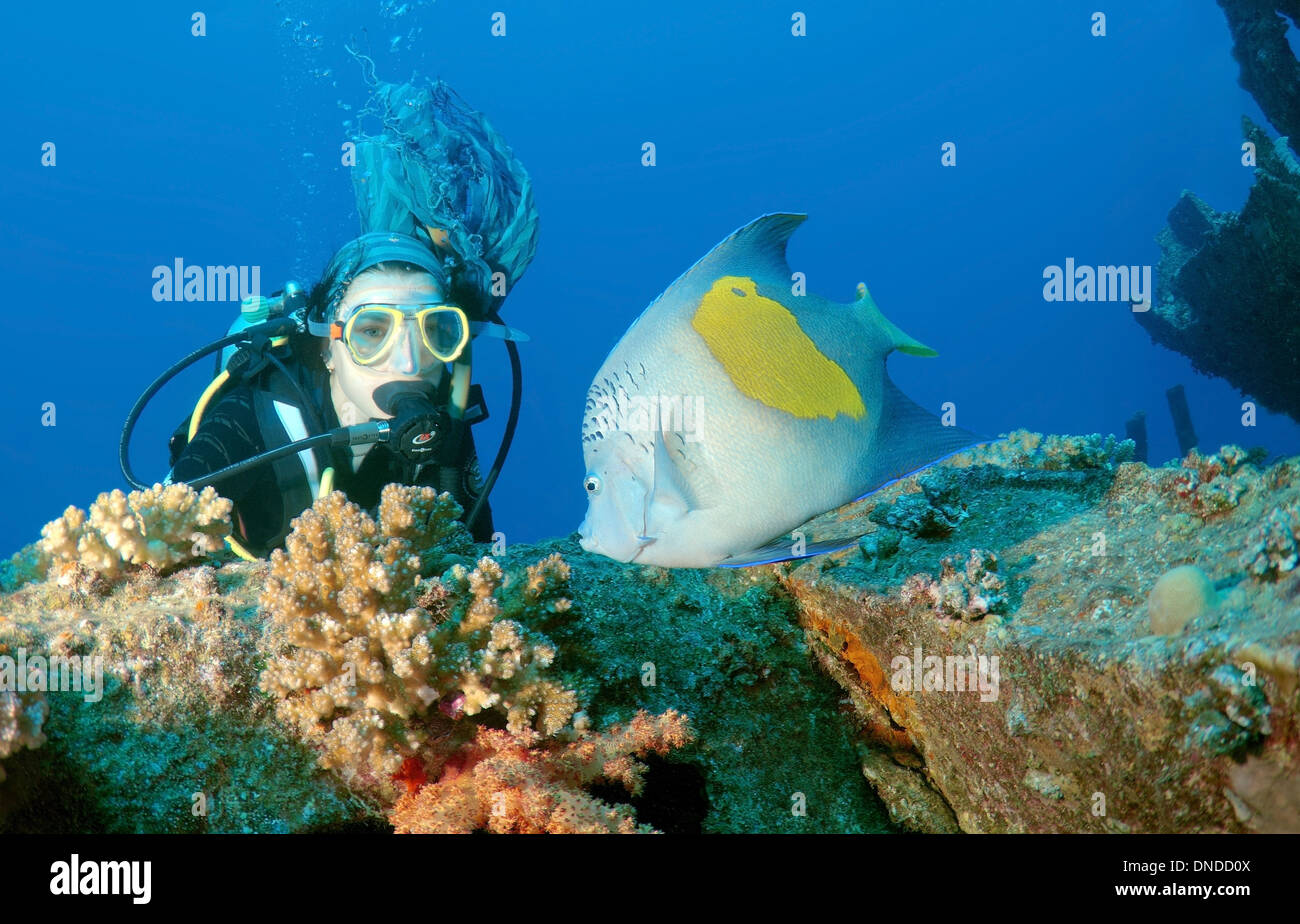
column 371, row 331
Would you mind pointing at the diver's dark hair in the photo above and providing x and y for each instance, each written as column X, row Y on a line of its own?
column 338, row 275
column 341, row 270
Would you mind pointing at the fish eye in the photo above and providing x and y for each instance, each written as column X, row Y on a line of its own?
column 592, row 484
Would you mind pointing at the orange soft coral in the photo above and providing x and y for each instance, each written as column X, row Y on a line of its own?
column 506, row 783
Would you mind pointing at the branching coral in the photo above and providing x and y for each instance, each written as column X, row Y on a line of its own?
column 966, row 590
column 382, row 667
column 400, row 680
column 162, row 527
column 21, row 717
column 485, row 656
column 508, row 783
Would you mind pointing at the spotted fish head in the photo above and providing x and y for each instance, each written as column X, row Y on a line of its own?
column 640, row 507
column 617, row 488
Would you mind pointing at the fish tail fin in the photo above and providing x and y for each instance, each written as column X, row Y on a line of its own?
column 900, row 341
column 910, row 439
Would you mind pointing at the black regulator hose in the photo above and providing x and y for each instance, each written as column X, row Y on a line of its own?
column 516, row 395
column 268, row 328
column 375, row 431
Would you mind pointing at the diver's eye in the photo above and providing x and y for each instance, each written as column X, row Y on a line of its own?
column 592, row 484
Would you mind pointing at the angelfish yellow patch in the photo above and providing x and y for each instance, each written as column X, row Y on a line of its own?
column 768, row 356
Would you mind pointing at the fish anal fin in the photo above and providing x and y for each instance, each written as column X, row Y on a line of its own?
column 898, row 340
column 784, row 550
column 916, row 349
column 909, row 439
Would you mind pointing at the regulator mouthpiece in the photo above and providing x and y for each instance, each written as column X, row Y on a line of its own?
column 419, row 429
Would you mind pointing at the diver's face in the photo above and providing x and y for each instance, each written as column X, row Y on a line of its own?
column 408, row 354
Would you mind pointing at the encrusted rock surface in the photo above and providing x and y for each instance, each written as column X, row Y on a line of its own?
column 1093, row 723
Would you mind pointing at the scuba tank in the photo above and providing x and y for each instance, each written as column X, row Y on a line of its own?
column 248, row 350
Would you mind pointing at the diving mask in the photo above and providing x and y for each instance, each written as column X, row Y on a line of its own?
column 372, row 330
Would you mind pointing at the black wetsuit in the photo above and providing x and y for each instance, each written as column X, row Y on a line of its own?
column 231, row 432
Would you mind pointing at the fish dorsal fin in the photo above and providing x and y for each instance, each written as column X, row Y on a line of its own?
column 899, row 340
column 756, row 250
column 669, row 498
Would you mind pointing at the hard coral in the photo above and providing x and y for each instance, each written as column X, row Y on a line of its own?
column 162, row 527
column 1178, row 597
column 509, row 783
column 919, row 515
column 1214, row 484
column 965, row 591
column 1273, row 547
column 494, row 667
column 1023, row 449
column 21, row 718
column 381, row 668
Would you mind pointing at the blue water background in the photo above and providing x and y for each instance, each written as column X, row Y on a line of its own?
column 225, row 149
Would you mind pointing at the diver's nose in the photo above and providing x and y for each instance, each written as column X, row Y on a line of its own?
column 406, row 352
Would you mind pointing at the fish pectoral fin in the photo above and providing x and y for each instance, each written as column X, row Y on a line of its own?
column 669, row 499
column 784, row 550
column 662, row 511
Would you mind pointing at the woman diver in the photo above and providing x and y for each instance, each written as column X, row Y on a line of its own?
column 382, row 325
column 366, row 379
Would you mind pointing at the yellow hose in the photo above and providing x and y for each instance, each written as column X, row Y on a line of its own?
column 213, row 387
column 196, row 418
column 204, row 398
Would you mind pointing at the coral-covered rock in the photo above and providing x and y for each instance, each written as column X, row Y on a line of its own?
column 1269, row 70
column 1273, row 547
column 21, row 716
column 1080, row 719
column 1214, row 484
column 968, row 587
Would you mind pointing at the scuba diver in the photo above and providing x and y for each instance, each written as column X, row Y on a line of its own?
column 366, row 379
column 383, row 324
